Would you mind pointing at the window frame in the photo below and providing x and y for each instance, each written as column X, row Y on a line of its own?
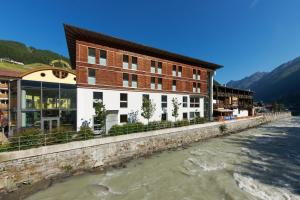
column 123, row 115
column 102, row 61
column 125, row 64
column 124, row 75
column 91, row 79
column 134, row 80
column 91, row 59
column 123, row 103
column 164, row 101
column 134, row 65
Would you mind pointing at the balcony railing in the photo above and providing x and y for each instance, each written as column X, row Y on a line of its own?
column 3, row 106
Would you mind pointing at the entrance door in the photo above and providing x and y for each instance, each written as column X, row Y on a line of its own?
column 111, row 119
column 49, row 124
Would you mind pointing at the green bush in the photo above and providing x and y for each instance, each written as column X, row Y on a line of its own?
column 126, row 128
column 26, row 138
column 181, row 123
column 223, row 128
column 85, row 133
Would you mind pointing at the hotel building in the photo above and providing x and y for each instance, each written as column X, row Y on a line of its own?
column 121, row 73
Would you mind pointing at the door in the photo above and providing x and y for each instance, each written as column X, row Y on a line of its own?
column 50, row 124
column 111, row 119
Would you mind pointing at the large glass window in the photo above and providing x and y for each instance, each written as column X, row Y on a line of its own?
column 31, row 119
column 194, row 102
column 103, row 57
column 134, row 63
column 91, row 55
column 91, row 76
column 50, row 93
column 125, row 61
column 67, row 96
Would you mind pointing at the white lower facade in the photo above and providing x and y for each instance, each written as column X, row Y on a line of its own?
column 111, row 100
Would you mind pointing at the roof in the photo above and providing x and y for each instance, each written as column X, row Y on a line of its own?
column 9, row 70
column 74, row 33
column 231, row 88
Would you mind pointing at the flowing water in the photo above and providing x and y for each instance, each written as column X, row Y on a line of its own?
column 261, row 163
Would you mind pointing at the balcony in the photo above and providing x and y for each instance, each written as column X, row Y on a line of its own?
column 3, row 85
column 3, row 95
column 3, row 106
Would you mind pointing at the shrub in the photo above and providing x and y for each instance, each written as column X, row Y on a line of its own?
column 27, row 138
column 181, row 123
column 126, row 128
column 223, row 128
column 85, row 133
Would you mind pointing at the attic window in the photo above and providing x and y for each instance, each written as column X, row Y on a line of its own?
column 43, row 74
column 60, row 74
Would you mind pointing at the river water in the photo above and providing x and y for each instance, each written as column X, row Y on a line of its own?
column 261, row 163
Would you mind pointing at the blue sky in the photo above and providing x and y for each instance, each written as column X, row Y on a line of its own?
column 243, row 35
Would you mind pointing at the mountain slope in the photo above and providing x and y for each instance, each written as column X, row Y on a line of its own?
column 281, row 84
column 20, row 52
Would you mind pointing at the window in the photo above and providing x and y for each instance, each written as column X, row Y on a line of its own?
column 134, row 63
column 103, row 57
column 194, row 74
column 184, row 116
column 97, row 97
column 192, row 115
column 97, row 124
column 146, row 96
column 164, row 101
column 198, row 87
column 164, row 117
column 125, row 61
column 184, row 101
column 174, row 85
column 159, row 84
column 179, row 71
column 123, row 100
column 91, row 55
column 198, row 75
column 153, row 83
column 134, row 81
column 152, row 66
column 159, row 68
column 174, row 70
column 123, row 118
column 194, row 87
column 125, row 80
column 194, row 102
column 91, row 76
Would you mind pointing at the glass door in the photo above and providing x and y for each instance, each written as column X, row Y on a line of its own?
column 50, row 124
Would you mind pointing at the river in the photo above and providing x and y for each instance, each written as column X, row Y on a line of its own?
column 260, row 163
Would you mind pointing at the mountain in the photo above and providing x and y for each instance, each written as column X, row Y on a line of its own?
column 246, row 83
column 20, row 52
column 281, row 84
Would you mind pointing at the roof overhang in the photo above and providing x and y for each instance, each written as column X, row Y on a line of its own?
column 74, row 34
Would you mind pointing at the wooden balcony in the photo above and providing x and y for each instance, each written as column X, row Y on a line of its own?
column 3, row 95
column 3, row 106
column 3, row 85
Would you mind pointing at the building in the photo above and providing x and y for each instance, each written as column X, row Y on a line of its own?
column 43, row 98
column 232, row 102
column 121, row 73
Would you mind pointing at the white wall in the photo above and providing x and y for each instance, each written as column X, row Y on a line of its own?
column 240, row 113
column 111, row 100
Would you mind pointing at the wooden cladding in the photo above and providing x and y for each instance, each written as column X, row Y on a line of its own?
column 111, row 75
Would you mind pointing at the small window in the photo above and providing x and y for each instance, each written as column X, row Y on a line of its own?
column 198, row 87
column 91, row 55
column 174, row 70
column 134, row 63
column 91, row 76
column 96, row 124
column 164, row 117
column 97, row 96
column 194, row 74
column 153, row 67
column 159, row 84
column 159, row 68
column 103, row 57
column 192, row 115
column 194, row 102
column 194, row 87
column 125, row 61
column 125, row 80
column 184, row 101
column 134, row 81
column 123, row 119
column 153, row 83
column 123, row 100
column 43, row 74
column 198, row 75
column 164, row 101
column 174, row 85
column 179, row 71
column 184, row 116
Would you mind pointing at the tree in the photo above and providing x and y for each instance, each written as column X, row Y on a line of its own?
column 100, row 112
column 148, row 108
column 176, row 105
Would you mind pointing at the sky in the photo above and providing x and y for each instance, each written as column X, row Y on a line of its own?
column 245, row 36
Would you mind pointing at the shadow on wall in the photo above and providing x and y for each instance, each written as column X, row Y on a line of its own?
column 274, row 157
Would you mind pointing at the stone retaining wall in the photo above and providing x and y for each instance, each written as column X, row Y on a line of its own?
column 33, row 166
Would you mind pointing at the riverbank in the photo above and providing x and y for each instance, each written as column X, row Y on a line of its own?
column 23, row 172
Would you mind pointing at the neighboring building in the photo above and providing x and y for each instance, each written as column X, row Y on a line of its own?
column 121, row 73
column 43, row 98
column 232, row 102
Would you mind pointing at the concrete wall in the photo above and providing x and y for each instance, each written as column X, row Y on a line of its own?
column 34, row 166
